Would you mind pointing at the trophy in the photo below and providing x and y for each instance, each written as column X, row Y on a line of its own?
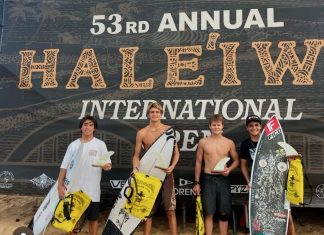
column 220, row 166
column 104, row 159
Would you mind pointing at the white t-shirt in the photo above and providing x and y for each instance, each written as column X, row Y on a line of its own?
column 86, row 177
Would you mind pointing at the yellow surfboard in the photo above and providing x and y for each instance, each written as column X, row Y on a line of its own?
column 200, row 226
column 295, row 180
column 69, row 211
column 141, row 194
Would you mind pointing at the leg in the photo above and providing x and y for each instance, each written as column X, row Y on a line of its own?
column 223, row 225
column 209, row 224
column 92, row 214
column 93, row 227
column 147, row 226
column 246, row 215
column 291, row 226
column 172, row 222
column 169, row 203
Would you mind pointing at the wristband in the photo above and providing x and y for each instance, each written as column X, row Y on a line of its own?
column 197, row 182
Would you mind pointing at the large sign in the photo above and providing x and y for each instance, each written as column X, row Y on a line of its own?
column 62, row 60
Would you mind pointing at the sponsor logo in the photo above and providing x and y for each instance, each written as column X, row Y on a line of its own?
column 123, row 216
column 183, row 191
column 71, row 164
column 46, row 204
column 256, row 224
column 262, row 163
column 280, row 215
column 92, row 152
column 6, row 179
column 239, row 189
column 282, row 167
column 117, row 183
column 183, row 182
column 185, row 188
column 319, row 191
column 272, row 128
column 43, row 181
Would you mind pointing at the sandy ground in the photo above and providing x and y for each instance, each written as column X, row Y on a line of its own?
column 16, row 211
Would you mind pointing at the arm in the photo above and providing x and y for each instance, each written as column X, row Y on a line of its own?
column 63, row 170
column 175, row 159
column 245, row 171
column 60, row 183
column 198, row 164
column 108, row 165
column 137, row 151
column 235, row 159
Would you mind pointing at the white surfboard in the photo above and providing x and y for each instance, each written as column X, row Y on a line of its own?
column 119, row 221
column 46, row 210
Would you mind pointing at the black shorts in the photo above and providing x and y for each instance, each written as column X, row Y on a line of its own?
column 92, row 213
column 216, row 192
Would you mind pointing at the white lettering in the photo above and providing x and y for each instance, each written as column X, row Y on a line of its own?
column 206, row 18
column 233, row 109
column 187, row 140
column 132, row 109
column 270, row 19
column 117, row 103
column 238, row 19
column 254, row 18
column 184, row 20
column 167, row 22
column 187, row 109
column 289, row 110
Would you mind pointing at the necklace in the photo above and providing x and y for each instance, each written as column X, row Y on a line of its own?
column 253, row 145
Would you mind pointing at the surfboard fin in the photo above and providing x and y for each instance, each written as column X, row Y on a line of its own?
column 103, row 159
column 220, row 166
column 289, row 150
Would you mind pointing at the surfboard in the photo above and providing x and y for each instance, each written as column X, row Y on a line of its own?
column 46, row 210
column 295, row 179
column 200, row 226
column 119, row 221
column 268, row 206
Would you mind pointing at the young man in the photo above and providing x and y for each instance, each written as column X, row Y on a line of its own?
column 216, row 192
column 89, row 181
column 248, row 146
column 145, row 137
column 247, row 153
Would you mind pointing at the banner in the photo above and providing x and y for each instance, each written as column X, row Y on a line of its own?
column 62, row 60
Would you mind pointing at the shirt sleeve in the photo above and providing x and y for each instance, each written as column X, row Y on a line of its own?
column 67, row 157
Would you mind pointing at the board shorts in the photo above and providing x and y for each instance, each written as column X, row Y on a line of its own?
column 92, row 212
column 168, row 194
column 216, row 194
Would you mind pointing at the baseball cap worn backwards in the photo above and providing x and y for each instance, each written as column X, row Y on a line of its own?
column 252, row 118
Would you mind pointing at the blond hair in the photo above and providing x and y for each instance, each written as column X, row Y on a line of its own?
column 216, row 118
column 154, row 105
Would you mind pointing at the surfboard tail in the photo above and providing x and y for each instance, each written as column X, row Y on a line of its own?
column 111, row 228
